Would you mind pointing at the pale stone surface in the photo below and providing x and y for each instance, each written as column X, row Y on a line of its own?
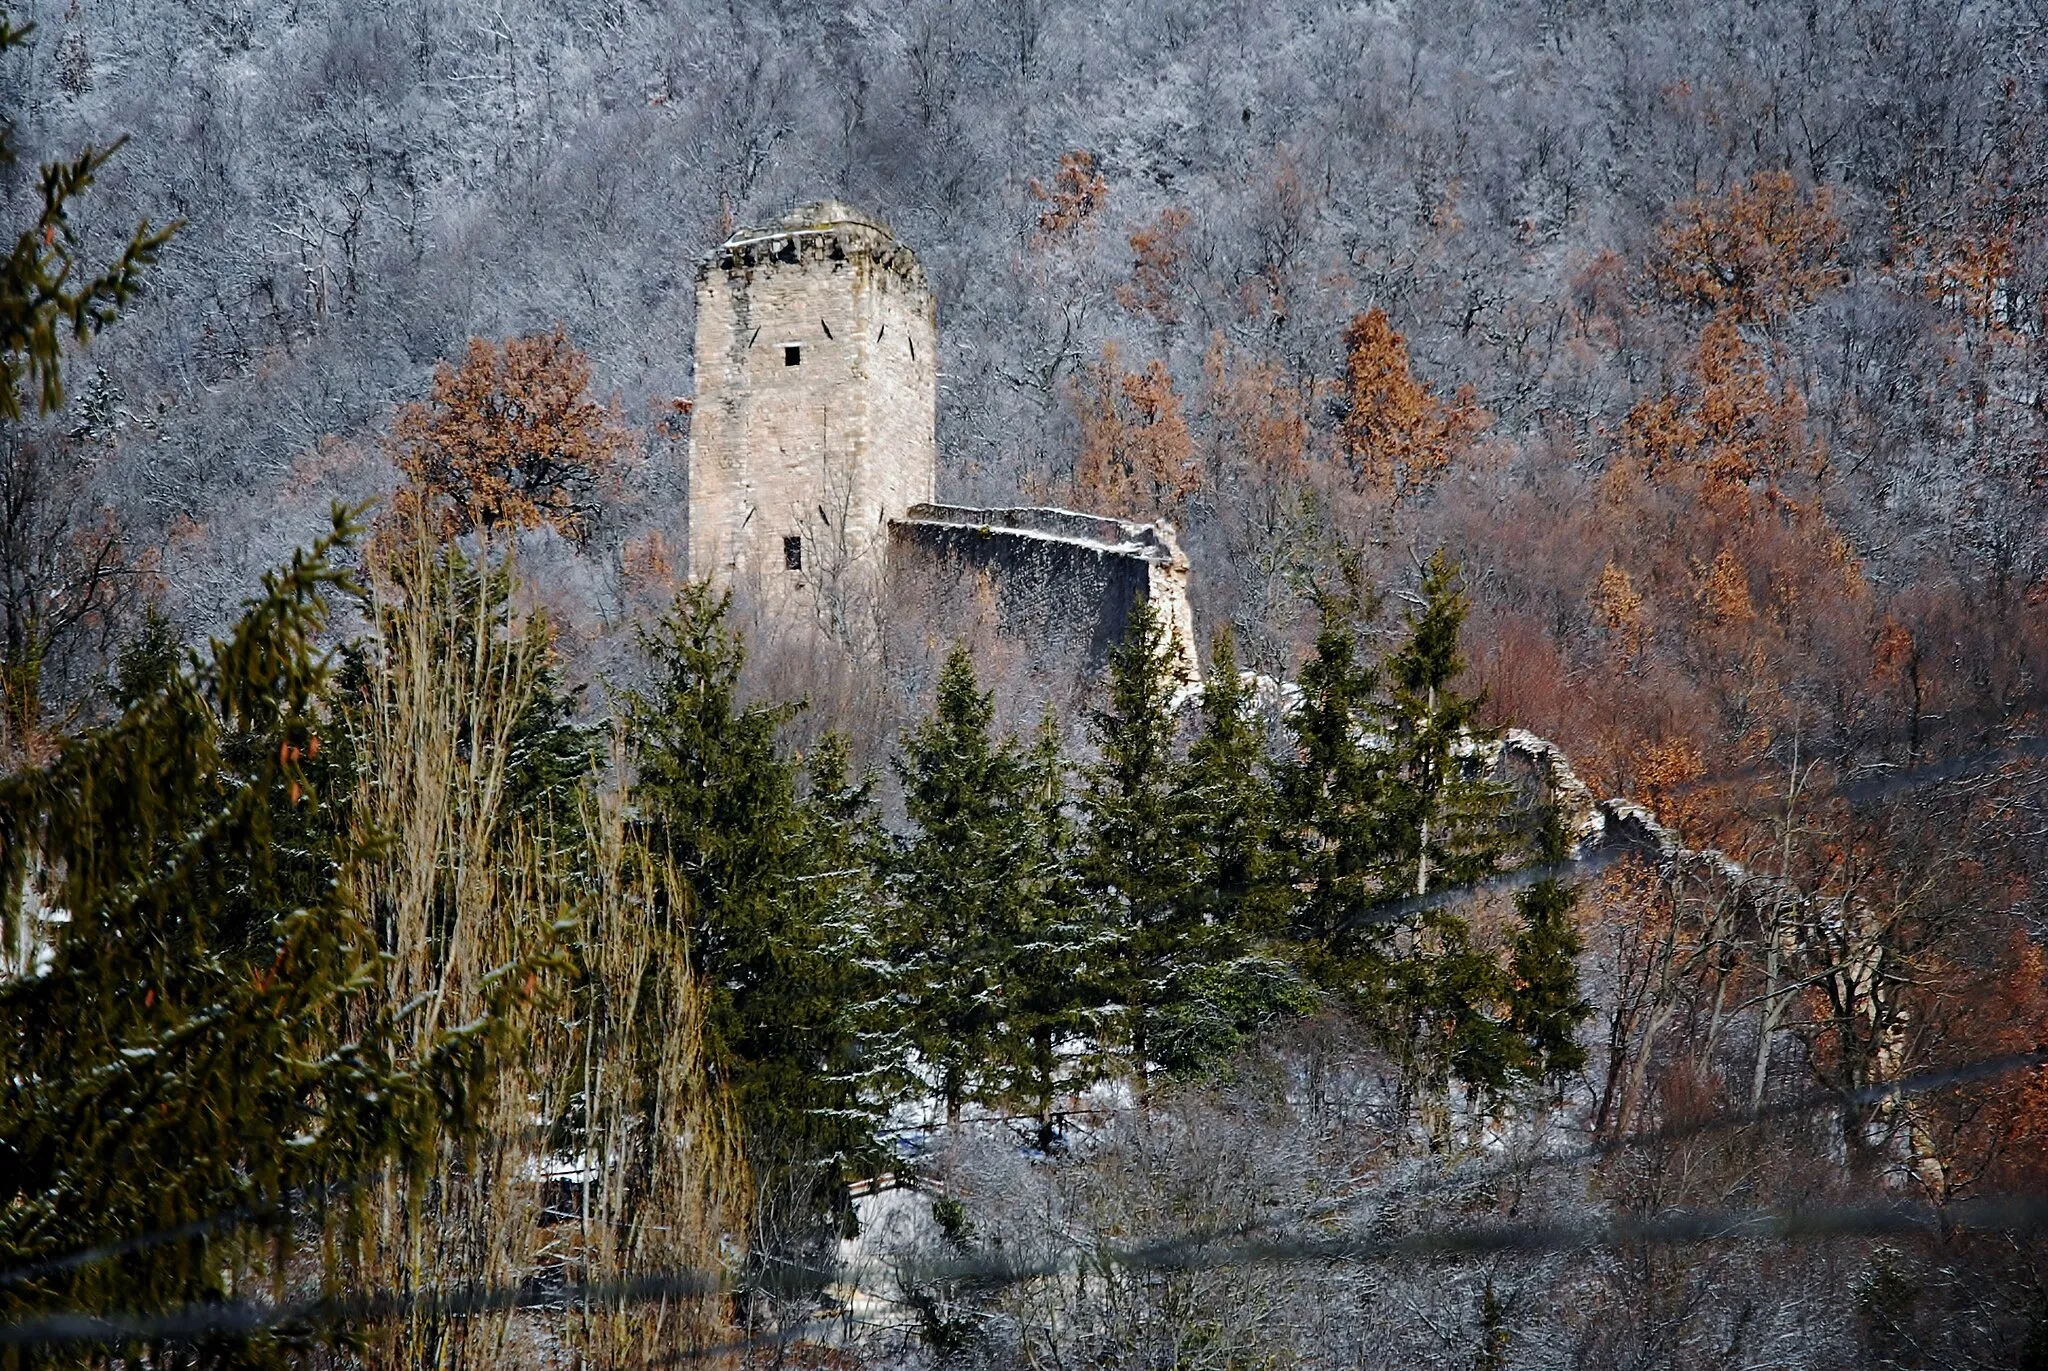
column 827, row 450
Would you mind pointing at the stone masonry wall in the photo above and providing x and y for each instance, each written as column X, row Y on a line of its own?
column 825, row 444
column 1062, row 582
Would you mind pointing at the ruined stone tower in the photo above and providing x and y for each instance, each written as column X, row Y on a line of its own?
column 815, row 418
column 814, row 453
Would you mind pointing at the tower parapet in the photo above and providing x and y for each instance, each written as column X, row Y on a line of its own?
column 826, row 231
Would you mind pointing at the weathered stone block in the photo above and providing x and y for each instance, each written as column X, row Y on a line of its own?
column 1061, row 579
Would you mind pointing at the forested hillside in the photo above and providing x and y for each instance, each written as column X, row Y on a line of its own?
column 483, row 907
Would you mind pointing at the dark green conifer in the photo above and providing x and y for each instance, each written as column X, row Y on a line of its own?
column 1546, row 1005
column 48, row 295
column 1446, row 824
column 1227, row 806
column 552, row 756
column 1332, row 801
column 1225, row 810
column 1137, row 861
column 1387, row 801
column 843, row 846
column 1446, row 1014
column 718, row 800
column 200, row 1041
column 1053, row 980
column 960, row 886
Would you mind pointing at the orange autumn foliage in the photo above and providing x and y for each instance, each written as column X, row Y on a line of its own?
column 1397, row 436
column 510, row 438
column 1136, row 457
column 1158, row 252
column 1988, row 1136
column 1257, row 418
column 2010, row 1135
column 1618, row 608
column 1722, row 589
column 1076, row 195
column 1760, row 250
column 1714, row 510
column 1971, row 273
column 1895, row 653
column 1730, row 427
column 1670, row 777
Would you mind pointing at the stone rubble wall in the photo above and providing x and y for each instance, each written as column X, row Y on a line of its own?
column 1064, row 583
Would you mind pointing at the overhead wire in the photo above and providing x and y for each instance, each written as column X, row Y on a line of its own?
column 1920, row 1083
column 251, row 1317
column 196, row 1228
column 2004, row 1214
column 2023, row 1213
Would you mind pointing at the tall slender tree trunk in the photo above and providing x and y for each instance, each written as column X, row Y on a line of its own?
column 1141, row 1047
column 1775, row 1000
column 1041, row 1050
column 1429, row 811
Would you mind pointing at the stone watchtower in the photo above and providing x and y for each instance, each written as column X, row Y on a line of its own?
column 816, row 408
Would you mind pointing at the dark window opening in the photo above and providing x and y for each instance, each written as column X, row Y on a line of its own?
column 792, row 355
column 793, row 553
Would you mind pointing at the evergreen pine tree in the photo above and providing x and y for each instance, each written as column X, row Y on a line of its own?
column 1225, row 810
column 201, row 1041
column 553, row 757
column 46, row 289
column 843, row 846
column 1546, row 1005
column 1445, row 1014
column 1226, row 807
column 1384, row 803
column 1052, row 987
column 1332, row 797
column 1136, row 862
column 960, row 885
column 1444, row 824
column 719, row 802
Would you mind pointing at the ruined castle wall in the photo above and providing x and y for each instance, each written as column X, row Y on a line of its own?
column 817, row 389
column 1062, row 584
